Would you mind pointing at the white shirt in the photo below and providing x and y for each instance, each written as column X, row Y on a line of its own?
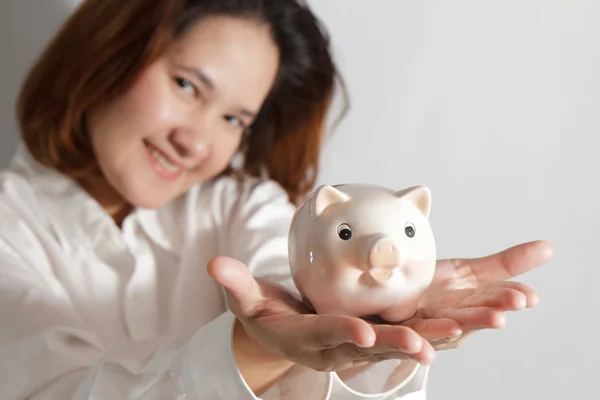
column 91, row 311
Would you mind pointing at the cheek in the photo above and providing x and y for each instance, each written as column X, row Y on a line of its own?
column 219, row 159
column 223, row 151
column 115, row 124
column 147, row 107
column 117, row 129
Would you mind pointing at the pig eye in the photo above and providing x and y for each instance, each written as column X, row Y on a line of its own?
column 409, row 229
column 344, row 232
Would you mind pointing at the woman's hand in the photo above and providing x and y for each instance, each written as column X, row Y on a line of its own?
column 284, row 327
column 476, row 294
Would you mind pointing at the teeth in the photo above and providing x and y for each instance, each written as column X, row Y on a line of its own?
column 163, row 161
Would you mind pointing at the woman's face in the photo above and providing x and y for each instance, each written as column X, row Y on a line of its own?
column 183, row 119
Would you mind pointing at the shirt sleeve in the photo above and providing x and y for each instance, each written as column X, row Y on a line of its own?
column 258, row 224
column 48, row 351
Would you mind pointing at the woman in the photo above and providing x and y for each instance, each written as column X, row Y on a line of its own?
column 143, row 222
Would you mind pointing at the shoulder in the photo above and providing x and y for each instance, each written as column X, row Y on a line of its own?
column 249, row 195
column 18, row 199
column 230, row 194
column 22, row 222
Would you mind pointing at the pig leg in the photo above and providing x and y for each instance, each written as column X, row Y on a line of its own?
column 398, row 316
column 402, row 311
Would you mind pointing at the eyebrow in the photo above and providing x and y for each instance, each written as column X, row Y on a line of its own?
column 201, row 75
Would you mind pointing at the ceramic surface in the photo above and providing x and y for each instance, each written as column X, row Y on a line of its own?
column 363, row 250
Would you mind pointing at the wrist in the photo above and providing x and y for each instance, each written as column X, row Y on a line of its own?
column 251, row 349
column 260, row 366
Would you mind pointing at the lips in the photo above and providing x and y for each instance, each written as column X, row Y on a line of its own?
column 161, row 163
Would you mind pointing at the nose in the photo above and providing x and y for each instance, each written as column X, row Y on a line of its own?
column 384, row 255
column 189, row 145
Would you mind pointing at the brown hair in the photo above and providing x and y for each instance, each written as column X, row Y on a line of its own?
column 105, row 44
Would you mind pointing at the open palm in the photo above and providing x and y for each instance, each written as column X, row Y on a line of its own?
column 476, row 293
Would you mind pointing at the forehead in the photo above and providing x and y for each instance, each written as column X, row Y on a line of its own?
column 237, row 54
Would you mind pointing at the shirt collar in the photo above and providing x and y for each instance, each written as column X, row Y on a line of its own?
column 59, row 194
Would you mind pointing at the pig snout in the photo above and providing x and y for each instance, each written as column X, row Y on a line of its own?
column 384, row 257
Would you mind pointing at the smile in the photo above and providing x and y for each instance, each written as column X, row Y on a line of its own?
column 161, row 163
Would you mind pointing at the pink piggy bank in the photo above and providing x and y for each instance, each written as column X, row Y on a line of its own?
column 363, row 250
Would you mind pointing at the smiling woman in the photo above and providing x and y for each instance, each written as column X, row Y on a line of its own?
column 132, row 115
column 190, row 94
column 186, row 113
column 133, row 264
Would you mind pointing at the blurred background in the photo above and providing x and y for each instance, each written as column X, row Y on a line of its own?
column 495, row 106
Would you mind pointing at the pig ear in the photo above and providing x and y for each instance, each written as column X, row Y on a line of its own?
column 326, row 196
column 419, row 196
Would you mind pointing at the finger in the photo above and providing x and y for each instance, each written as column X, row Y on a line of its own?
column 503, row 299
column 511, row 262
column 426, row 356
column 433, row 329
column 243, row 292
column 397, row 338
column 474, row 318
column 329, row 331
column 531, row 296
column 452, row 342
column 505, row 295
column 396, row 342
column 404, row 341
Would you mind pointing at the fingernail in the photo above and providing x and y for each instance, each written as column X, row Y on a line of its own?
column 367, row 341
column 533, row 302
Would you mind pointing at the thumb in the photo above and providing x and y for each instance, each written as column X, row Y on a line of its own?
column 243, row 292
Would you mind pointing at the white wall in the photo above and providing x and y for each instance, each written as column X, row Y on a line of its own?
column 492, row 105
column 25, row 27
column 495, row 106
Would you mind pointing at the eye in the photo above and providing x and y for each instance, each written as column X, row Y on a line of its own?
column 409, row 229
column 233, row 121
column 186, row 85
column 344, row 232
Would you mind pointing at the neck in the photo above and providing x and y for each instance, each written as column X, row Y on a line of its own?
column 107, row 197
